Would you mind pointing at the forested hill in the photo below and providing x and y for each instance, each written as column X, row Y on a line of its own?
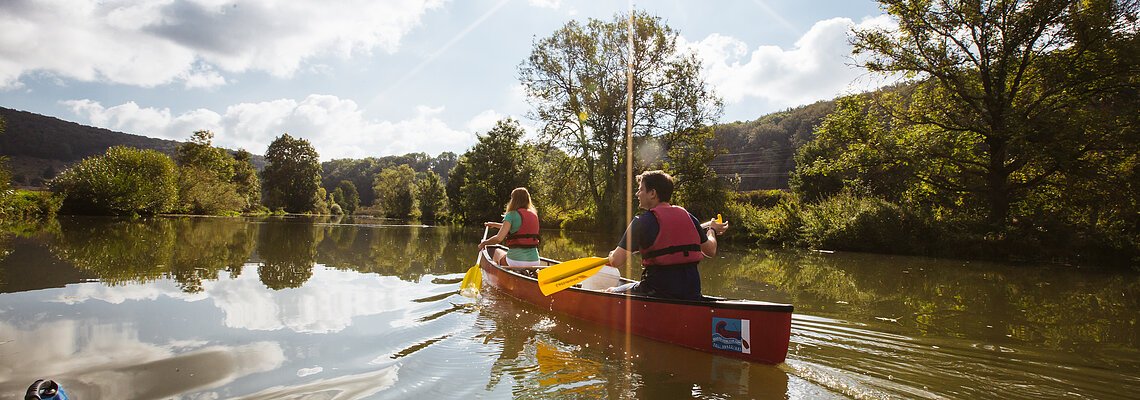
column 761, row 151
column 40, row 146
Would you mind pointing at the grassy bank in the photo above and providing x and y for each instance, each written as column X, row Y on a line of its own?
column 853, row 222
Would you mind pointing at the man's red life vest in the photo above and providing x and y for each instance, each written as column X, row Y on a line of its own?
column 527, row 235
column 678, row 241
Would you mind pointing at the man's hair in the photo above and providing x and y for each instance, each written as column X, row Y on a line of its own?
column 658, row 181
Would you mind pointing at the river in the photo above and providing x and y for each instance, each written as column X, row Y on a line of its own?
column 287, row 307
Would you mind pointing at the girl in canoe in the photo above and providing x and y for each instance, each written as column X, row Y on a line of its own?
column 519, row 231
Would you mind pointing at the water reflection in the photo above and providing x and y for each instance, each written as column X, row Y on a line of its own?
column 543, row 355
column 352, row 308
column 288, row 250
column 90, row 354
column 1059, row 307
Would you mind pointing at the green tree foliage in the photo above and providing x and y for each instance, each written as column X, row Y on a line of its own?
column 563, row 192
column 363, row 172
column 431, row 197
column 454, row 189
column 395, row 191
column 245, row 177
column 576, row 80
column 861, row 146
column 698, row 188
column 124, row 181
column 1011, row 95
column 347, row 197
column 292, row 177
column 206, row 183
column 491, row 169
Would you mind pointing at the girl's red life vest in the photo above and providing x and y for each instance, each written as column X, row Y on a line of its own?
column 527, row 235
column 678, row 241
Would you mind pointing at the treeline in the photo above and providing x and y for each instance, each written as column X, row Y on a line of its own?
column 1018, row 141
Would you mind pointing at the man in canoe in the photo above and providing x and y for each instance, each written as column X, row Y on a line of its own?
column 519, row 231
column 671, row 242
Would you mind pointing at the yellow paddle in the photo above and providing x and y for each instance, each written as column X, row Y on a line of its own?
column 473, row 280
column 561, row 276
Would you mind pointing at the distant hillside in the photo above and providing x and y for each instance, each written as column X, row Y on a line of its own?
column 39, row 146
column 761, row 152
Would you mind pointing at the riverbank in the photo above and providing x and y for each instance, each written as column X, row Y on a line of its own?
column 850, row 222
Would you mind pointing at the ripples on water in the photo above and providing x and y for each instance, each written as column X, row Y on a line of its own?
column 862, row 361
column 270, row 310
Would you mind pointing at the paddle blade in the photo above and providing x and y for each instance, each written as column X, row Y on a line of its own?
column 561, row 276
column 472, row 282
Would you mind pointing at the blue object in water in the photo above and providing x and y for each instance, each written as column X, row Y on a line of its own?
column 45, row 390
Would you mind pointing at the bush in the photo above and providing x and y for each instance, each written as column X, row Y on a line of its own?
column 580, row 220
column 123, row 181
column 848, row 221
column 203, row 192
column 26, row 205
column 779, row 224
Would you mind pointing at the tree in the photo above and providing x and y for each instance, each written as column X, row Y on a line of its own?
column 292, row 176
column 348, row 198
column 1002, row 86
column 576, row 81
column 124, row 181
column 454, row 189
column 206, row 177
column 494, row 166
column 857, row 147
column 245, row 177
column 443, row 163
column 698, row 187
column 562, row 191
column 430, row 195
column 395, row 191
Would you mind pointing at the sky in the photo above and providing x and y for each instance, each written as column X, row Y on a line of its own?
column 371, row 78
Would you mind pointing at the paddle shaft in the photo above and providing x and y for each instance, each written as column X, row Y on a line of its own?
column 478, row 254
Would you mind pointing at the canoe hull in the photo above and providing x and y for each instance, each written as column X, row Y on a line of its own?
column 748, row 330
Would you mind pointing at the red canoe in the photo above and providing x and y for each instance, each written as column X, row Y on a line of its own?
column 745, row 329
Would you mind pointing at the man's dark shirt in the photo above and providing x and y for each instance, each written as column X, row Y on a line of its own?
column 681, row 281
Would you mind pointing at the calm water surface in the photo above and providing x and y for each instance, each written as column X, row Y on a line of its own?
column 209, row 308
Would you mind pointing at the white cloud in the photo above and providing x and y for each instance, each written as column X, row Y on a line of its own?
column 148, row 43
column 553, row 4
column 336, row 127
column 818, row 67
column 205, row 78
column 127, row 117
column 484, row 121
